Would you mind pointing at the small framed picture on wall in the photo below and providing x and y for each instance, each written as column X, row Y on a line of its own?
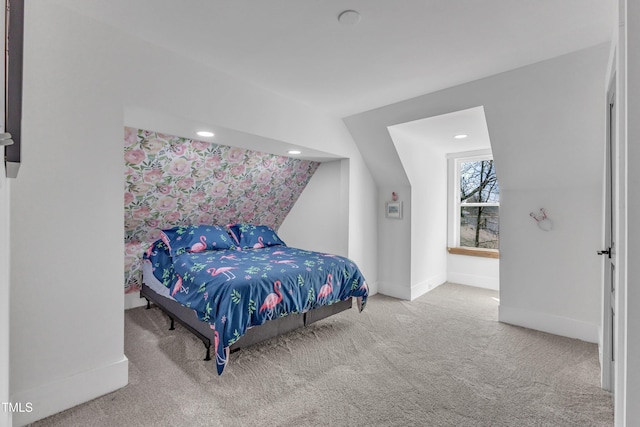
column 393, row 210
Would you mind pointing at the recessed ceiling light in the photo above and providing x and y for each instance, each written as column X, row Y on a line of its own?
column 205, row 133
column 294, row 152
column 461, row 136
column 349, row 17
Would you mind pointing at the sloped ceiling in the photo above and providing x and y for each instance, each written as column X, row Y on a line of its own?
column 400, row 49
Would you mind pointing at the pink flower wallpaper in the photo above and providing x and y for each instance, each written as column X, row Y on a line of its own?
column 172, row 181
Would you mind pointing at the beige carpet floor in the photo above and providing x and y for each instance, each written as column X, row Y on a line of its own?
column 440, row 360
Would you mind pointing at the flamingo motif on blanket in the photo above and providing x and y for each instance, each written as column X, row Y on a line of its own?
column 177, row 286
column 220, row 359
column 364, row 287
column 326, row 289
column 222, row 270
column 272, row 299
column 290, row 262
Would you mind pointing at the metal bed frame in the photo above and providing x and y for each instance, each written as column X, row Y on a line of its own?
column 272, row 328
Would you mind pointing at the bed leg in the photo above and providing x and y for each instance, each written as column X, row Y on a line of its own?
column 208, row 356
column 172, row 324
column 148, row 304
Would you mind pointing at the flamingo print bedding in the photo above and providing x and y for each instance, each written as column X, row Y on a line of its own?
column 234, row 290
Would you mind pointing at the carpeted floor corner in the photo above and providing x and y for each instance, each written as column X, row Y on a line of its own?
column 440, row 360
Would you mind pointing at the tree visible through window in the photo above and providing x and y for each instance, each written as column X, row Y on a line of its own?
column 479, row 204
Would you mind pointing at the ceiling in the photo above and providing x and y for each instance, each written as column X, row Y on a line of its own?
column 158, row 121
column 400, row 49
column 439, row 131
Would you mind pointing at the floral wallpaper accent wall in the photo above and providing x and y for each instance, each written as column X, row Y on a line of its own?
column 172, row 181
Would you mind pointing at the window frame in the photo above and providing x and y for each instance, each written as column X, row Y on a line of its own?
column 453, row 239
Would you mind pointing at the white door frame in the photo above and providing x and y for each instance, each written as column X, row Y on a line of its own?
column 609, row 248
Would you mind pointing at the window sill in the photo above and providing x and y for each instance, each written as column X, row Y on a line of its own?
column 485, row 253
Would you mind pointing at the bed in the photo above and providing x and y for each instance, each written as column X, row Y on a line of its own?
column 238, row 285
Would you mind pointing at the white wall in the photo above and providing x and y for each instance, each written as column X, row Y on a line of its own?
column 474, row 271
column 363, row 221
column 543, row 120
column 394, row 244
column 426, row 169
column 66, row 207
column 617, row 70
column 67, row 341
column 5, row 417
column 630, row 344
column 319, row 220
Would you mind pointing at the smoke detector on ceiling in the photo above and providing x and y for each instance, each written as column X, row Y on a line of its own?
column 349, row 17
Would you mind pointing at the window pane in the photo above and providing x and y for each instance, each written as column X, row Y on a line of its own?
column 479, row 227
column 478, row 182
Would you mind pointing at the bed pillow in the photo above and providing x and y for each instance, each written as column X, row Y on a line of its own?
column 160, row 258
column 196, row 238
column 158, row 252
column 249, row 236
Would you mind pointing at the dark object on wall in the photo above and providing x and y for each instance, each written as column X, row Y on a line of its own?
column 14, row 24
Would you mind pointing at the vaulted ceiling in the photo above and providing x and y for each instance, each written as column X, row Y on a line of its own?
column 398, row 50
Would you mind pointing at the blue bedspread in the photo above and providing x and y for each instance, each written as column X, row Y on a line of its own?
column 235, row 290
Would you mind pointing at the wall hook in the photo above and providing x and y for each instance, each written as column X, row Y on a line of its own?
column 543, row 221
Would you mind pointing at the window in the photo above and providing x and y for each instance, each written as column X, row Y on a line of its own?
column 475, row 203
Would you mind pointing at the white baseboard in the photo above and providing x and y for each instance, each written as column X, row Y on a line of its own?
column 550, row 323
column 373, row 288
column 133, row 300
column 393, row 290
column 68, row 392
column 6, row 419
column 485, row 282
column 427, row 285
column 409, row 293
column 600, row 355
